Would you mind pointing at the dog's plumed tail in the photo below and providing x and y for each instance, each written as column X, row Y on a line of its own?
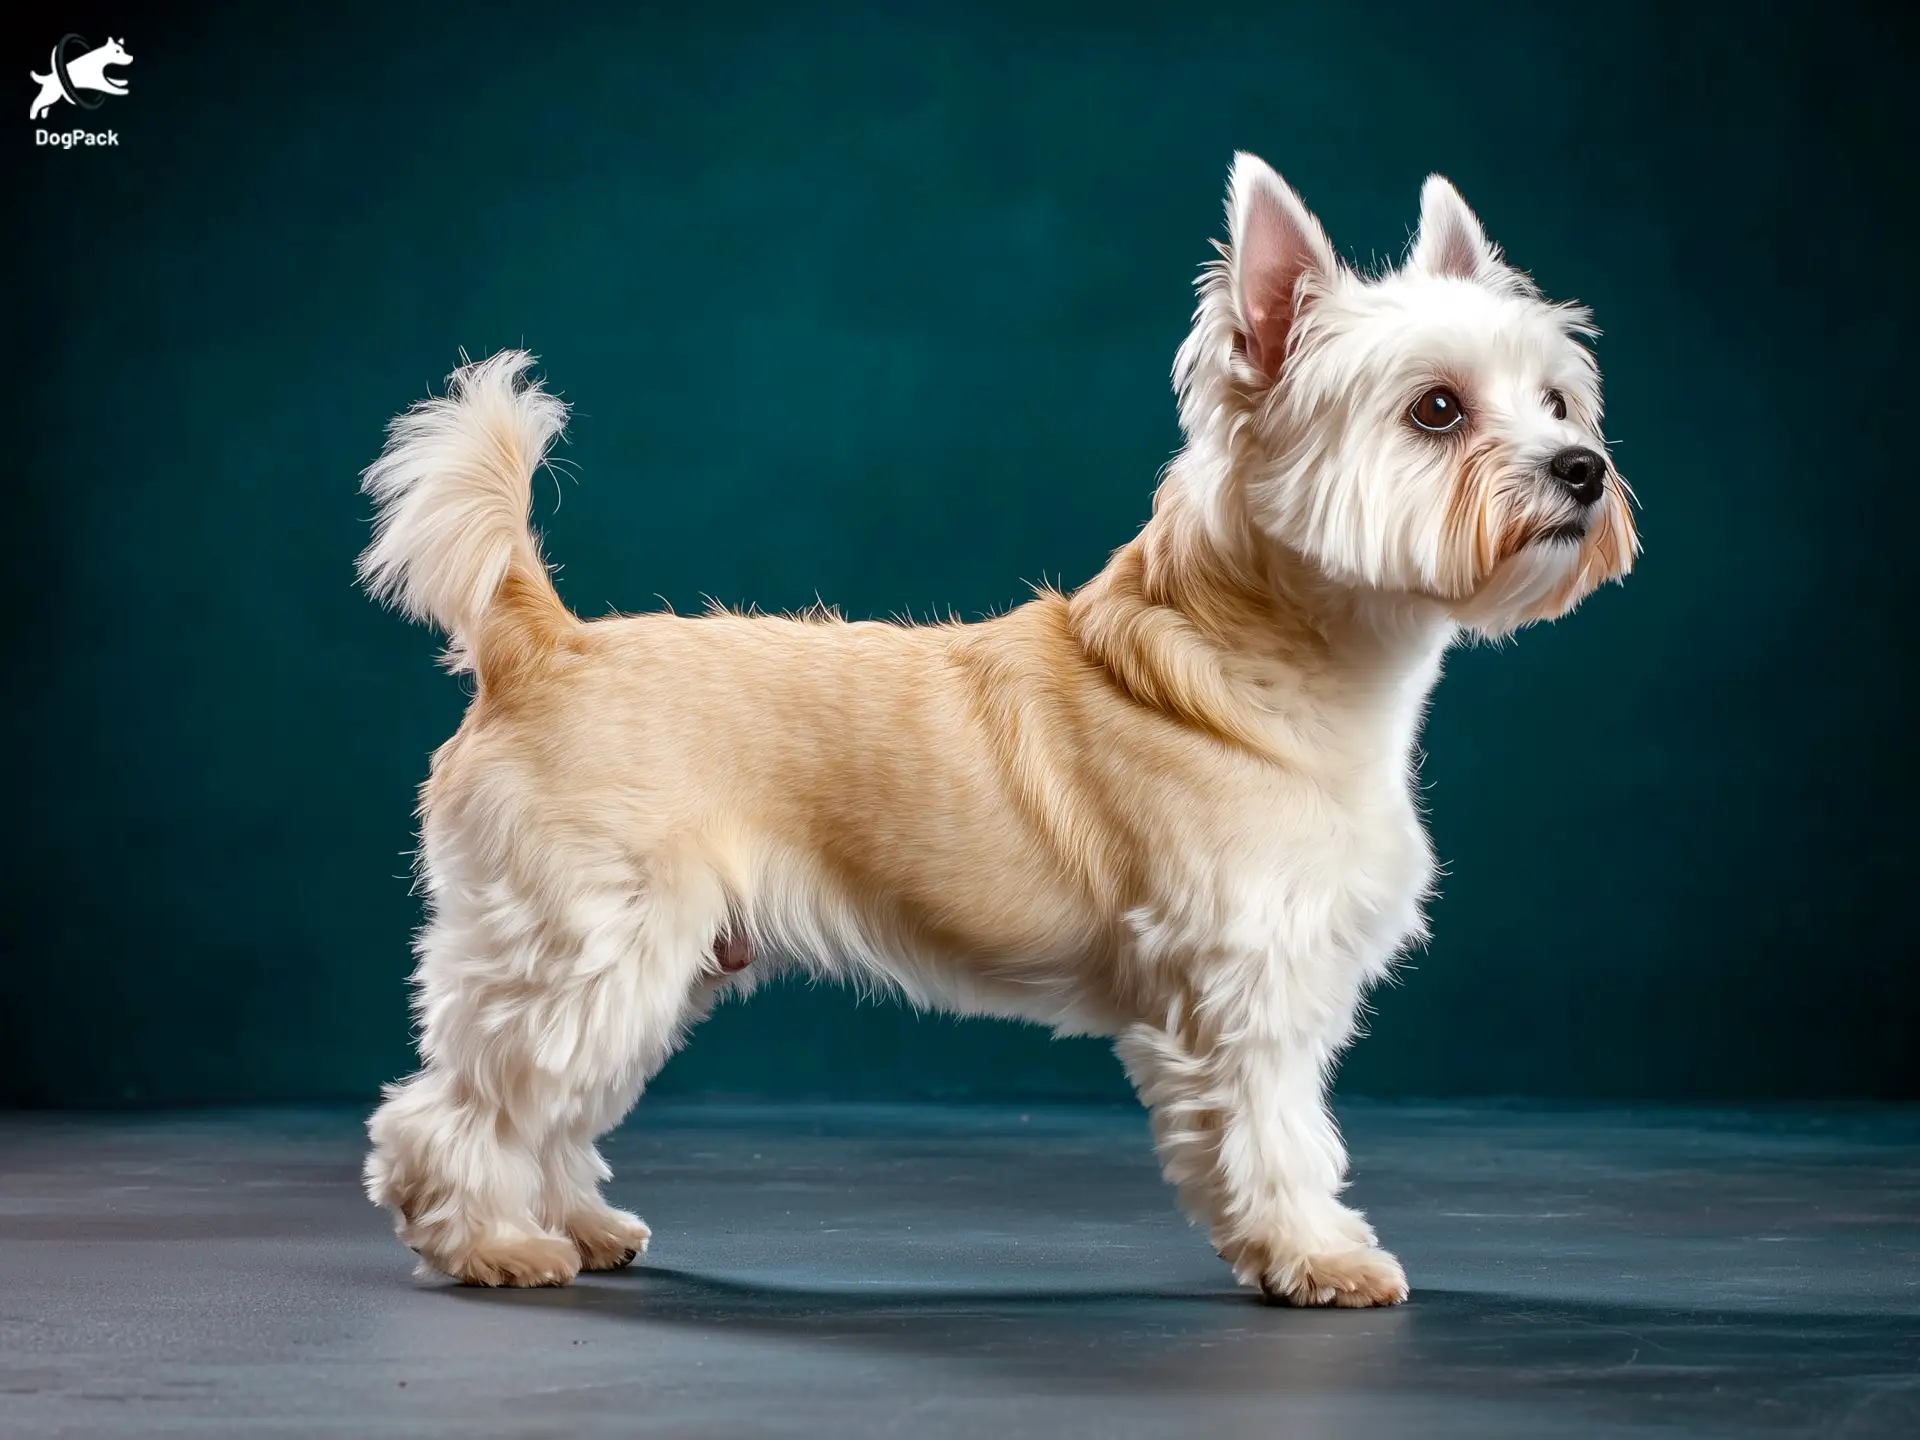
column 452, row 544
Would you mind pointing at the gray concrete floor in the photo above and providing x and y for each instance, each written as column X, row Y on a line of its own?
column 933, row 1271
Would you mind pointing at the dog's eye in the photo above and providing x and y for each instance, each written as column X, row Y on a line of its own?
column 1439, row 410
column 1557, row 403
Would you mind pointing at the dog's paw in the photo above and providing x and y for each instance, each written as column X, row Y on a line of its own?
column 1350, row 1279
column 608, row 1239
column 517, row 1262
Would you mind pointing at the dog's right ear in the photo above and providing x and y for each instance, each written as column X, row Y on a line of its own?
column 1276, row 245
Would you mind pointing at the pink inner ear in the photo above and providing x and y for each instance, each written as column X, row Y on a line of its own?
column 1274, row 253
column 1451, row 241
column 1456, row 251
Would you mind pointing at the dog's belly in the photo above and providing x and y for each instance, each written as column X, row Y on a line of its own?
column 943, row 941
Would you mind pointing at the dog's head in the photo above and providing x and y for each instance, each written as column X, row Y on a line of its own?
column 1432, row 431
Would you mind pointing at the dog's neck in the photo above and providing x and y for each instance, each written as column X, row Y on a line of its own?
column 1232, row 634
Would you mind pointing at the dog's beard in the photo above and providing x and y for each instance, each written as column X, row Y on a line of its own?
column 1518, row 588
column 1554, row 556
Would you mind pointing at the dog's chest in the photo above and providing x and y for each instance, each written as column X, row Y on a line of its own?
column 1348, row 882
column 1320, row 883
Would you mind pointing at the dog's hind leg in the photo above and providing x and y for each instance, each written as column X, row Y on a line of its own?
column 679, row 964
column 538, row 1032
column 572, row 1168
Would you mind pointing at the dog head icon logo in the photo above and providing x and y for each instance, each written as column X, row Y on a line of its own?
column 76, row 70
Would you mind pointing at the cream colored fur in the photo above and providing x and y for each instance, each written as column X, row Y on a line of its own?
column 1175, row 807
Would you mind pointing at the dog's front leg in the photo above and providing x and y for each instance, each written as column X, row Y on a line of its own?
column 1241, row 1124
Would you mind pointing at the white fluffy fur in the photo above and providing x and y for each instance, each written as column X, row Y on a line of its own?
column 452, row 490
column 1175, row 807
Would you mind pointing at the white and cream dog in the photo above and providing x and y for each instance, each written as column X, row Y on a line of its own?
column 1176, row 806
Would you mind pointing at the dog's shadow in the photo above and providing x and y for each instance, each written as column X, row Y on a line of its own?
column 1215, row 1342
column 1152, row 1338
column 667, row 1295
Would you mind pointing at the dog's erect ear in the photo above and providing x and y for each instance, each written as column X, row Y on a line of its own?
column 1451, row 242
column 1276, row 243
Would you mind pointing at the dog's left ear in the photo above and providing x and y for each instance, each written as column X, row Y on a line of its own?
column 1451, row 241
column 1277, row 249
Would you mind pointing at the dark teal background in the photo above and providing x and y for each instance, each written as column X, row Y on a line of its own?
column 880, row 308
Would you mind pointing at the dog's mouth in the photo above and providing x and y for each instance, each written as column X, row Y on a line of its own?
column 1568, row 531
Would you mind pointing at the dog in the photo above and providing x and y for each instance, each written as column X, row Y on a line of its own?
column 1175, row 807
column 88, row 72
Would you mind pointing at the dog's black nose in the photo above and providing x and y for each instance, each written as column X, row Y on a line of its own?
column 1582, row 471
